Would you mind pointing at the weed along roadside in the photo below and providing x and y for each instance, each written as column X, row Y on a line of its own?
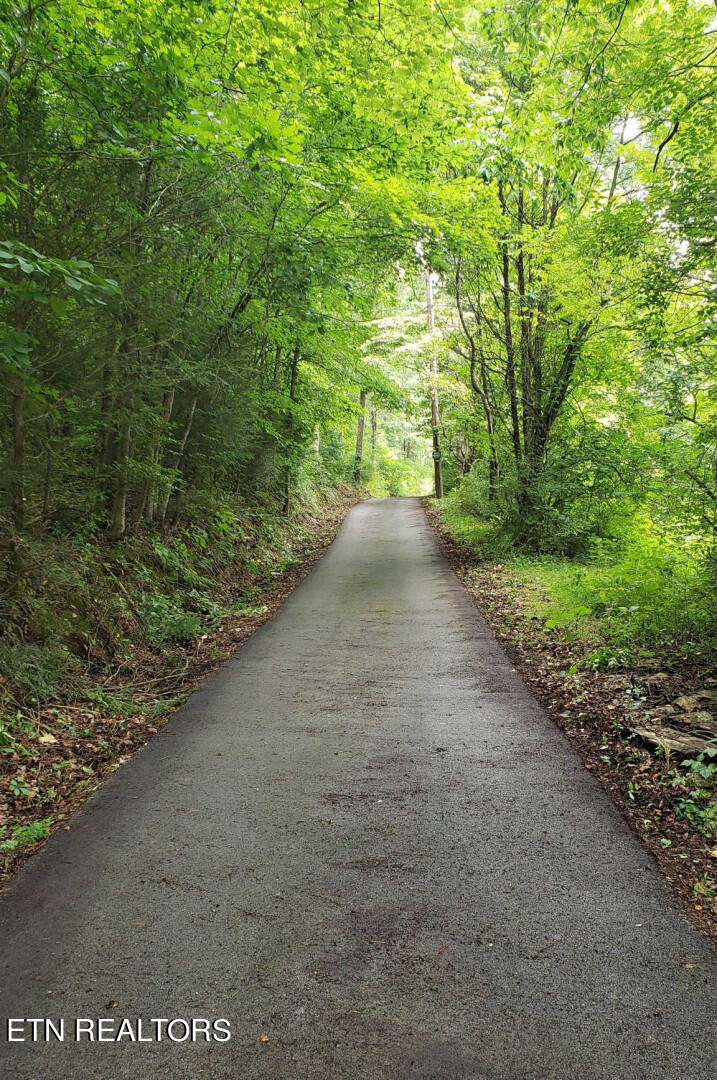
column 645, row 725
column 185, row 605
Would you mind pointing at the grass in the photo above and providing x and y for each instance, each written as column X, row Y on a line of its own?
column 641, row 603
column 651, row 597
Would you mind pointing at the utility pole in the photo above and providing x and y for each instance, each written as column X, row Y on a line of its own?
column 438, row 479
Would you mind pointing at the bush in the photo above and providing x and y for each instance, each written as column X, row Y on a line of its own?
column 641, row 590
column 166, row 621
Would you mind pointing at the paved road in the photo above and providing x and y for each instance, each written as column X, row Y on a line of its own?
column 364, row 841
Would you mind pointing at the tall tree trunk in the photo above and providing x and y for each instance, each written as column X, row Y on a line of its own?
column 132, row 348
column 294, row 371
column 47, row 476
column 510, row 381
column 437, row 472
column 481, row 387
column 529, row 383
column 359, row 437
column 374, row 434
column 176, row 462
column 510, row 363
column 18, row 477
column 18, row 454
column 148, row 501
column 118, row 508
column 258, row 471
column 493, row 465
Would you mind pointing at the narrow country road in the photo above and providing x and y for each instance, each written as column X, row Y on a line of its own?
column 362, row 841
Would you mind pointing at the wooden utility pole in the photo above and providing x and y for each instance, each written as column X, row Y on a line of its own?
column 437, row 477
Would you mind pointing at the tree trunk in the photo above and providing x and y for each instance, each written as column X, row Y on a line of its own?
column 124, row 377
column 359, row 437
column 18, row 454
column 118, row 508
column 374, row 433
column 510, row 363
column 437, row 473
column 17, row 482
column 259, row 470
column 177, row 461
column 480, row 387
column 148, row 502
column 47, row 477
column 290, row 426
column 18, row 492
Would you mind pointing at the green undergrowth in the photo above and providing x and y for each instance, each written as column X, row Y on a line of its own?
column 86, row 604
column 103, row 641
column 644, row 596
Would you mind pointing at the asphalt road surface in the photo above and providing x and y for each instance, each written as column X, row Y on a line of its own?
column 364, row 845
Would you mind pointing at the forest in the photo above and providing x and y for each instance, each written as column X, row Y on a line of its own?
column 260, row 260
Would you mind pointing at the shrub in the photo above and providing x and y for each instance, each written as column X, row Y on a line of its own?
column 166, row 621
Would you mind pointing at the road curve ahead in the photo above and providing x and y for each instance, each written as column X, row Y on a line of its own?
column 363, row 844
